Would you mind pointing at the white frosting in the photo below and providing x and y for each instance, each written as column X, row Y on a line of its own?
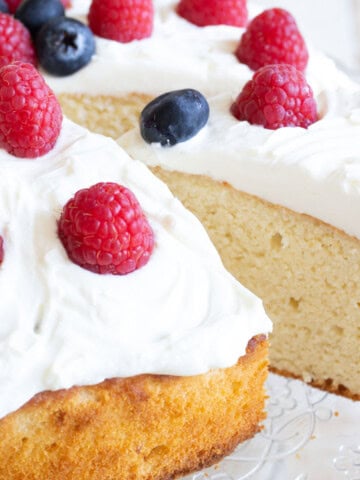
column 314, row 171
column 177, row 55
column 62, row 325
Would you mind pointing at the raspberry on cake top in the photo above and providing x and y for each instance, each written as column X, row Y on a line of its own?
column 177, row 55
column 257, row 161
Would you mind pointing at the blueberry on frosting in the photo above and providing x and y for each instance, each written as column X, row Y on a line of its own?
column 35, row 13
column 174, row 117
column 64, row 46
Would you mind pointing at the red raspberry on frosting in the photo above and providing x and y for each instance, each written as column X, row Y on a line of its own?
column 272, row 37
column 277, row 96
column 15, row 42
column 214, row 12
column 30, row 114
column 121, row 20
column 104, row 229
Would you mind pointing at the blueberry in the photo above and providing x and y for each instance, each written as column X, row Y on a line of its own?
column 64, row 46
column 174, row 117
column 4, row 7
column 35, row 13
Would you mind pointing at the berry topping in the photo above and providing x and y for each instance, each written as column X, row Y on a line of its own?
column 104, row 229
column 121, row 20
column 15, row 42
column 273, row 37
column 277, row 96
column 4, row 8
column 35, row 13
column 64, row 46
column 1, row 249
column 174, row 117
column 214, row 12
column 13, row 5
column 30, row 115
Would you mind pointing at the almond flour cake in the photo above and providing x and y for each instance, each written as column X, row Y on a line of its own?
column 126, row 349
column 280, row 205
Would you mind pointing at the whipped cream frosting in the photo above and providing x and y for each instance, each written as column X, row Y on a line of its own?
column 177, row 55
column 62, row 325
column 314, row 171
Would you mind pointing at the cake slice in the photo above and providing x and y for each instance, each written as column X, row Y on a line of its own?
column 281, row 207
column 146, row 375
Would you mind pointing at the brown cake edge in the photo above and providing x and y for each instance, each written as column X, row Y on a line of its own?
column 325, row 385
column 149, row 427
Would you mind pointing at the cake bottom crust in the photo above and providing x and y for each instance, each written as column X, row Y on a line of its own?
column 328, row 384
column 149, row 427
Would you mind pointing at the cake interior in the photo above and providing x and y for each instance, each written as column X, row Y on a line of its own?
column 306, row 272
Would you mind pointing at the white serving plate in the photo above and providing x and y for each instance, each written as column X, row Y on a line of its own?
column 308, row 435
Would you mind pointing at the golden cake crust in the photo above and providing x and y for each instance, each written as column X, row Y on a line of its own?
column 145, row 427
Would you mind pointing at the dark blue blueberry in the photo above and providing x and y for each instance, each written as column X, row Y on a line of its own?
column 64, row 46
column 35, row 13
column 4, row 7
column 174, row 117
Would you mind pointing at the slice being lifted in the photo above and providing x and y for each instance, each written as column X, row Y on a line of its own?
column 145, row 375
column 282, row 206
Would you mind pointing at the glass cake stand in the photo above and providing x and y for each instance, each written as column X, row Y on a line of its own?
column 308, row 435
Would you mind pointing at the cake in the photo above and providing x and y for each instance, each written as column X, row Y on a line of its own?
column 146, row 375
column 280, row 206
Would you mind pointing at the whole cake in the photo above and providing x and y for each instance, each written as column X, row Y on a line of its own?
column 280, row 205
column 126, row 349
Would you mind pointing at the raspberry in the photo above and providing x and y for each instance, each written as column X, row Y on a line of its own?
column 214, row 12
column 121, row 20
column 30, row 115
column 13, row 4
column 277, row 96
column 15, row 42
column 272, row 37
column 104, row 230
